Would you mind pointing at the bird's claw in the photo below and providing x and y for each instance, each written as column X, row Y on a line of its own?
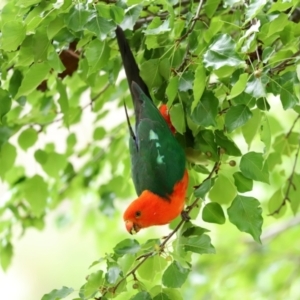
column 185, row 216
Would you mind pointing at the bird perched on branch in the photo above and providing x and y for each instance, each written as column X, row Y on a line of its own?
column 157, row 160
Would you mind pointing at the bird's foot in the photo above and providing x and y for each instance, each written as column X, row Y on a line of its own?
column 185, row 216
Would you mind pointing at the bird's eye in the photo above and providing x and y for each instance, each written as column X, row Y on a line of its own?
column 137, row 214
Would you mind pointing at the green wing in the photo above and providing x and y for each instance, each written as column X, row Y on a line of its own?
column 158, row 161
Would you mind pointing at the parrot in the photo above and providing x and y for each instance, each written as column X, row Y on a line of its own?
column 158, row 163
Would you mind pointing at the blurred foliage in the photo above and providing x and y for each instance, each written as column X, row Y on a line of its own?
column 219, row 66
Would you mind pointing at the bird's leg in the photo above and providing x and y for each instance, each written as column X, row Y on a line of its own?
column 185, row 216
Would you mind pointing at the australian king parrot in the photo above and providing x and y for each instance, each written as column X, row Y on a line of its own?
column 158, row 163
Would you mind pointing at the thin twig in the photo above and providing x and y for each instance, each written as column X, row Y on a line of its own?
column 96, row 96
column 73, row 53
column 290, row 184
column 186, row 54
column 215, row 169
column 193, row 21
column 291, row 129
column 144, row 257
column 284, row 63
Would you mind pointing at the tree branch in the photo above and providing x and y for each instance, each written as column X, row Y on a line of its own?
column 144, row 257
column 185, row 59
column 193, row 21
column 284, row 63
column 290, row 184
column 291, row 129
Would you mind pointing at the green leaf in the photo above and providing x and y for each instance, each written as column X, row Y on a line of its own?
column 201, row 169
column 99, row 133
column 286, row 145
column 175, row 275
column 205, row 142
column 161, row 296
column 242, row 183
column 5, row 104
column 5, row 134
column 172, row 90
column 256, row 87
column 221, row 52
column 254, row 7
column 55, row 164
column 239, row 86
column 253, row 167
column 77, row 17
column 151, row 266
column 213, row 213
column 58, row 294
column 27, row 138
column 210, row 7
column 227, row 144
column 237, row 116
column 280, row 6
column 223, row 190
column 275, row 202
column 198, row 85
column 40, row 45
column 246, row 214
column 157, row 27
column 40, row 156
column 186, row 82
column 294, row 192
column 149, row 71
column 117, row 13
column 55, row 26
column 97, row 54
column 131, row 16
column 63, row 97
column 14, row 83
column 199, row 244
column 127, row 246
column 35, row 192
column 177, row 117
column 266, row 134
column 32, row 78
column 263, row 104
column 25, row 57
column 113, row 274
column 202, row 190
column 288, row 99
column 6, row 254
column 100, row 26
column 193, row 230
column 251, row 128
column 8, row 155
column 13, row 34
column 206, row 110
column 94, row 282
column 142, row 296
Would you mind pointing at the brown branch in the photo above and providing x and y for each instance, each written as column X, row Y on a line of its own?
column 290, row 184
column 73, row 53
column 96, row 96
column 201, row 2
column 215, row 169
column 144, row 257
column 291, row 129
column 285, row 63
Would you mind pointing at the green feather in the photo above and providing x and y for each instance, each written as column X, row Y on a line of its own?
column 157, row 159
